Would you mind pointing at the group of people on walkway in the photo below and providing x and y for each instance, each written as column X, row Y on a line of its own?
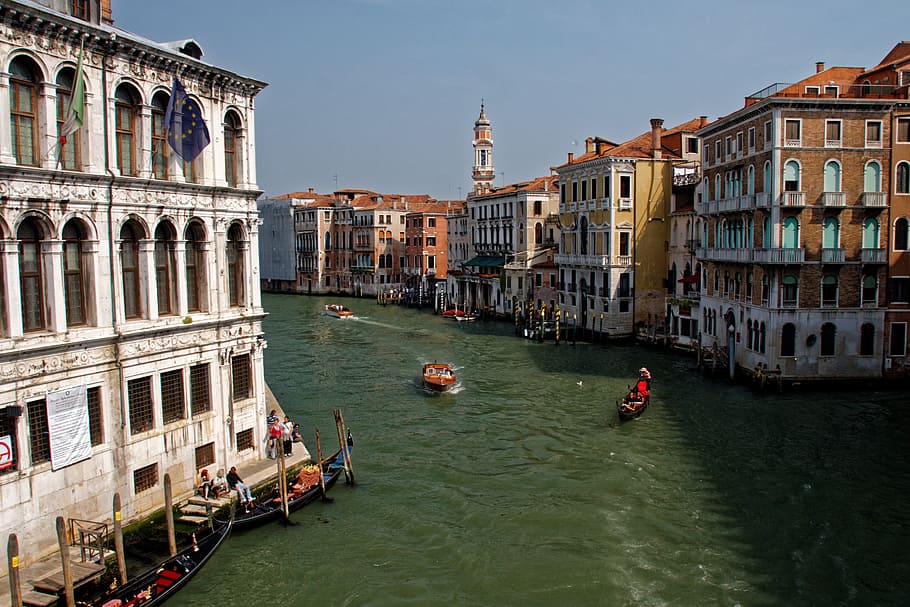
column 281, row 434
column 222, row 484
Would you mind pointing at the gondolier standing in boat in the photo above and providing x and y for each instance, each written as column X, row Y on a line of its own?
column 643, row 386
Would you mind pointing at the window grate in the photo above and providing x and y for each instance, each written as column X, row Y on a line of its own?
column 139, row 392
column 38, row 434
column 245, row 440
column 205, row 455
column 173, row 401
column 95, row 427
column 240, row 376
column 145, row 478
column 200, row 397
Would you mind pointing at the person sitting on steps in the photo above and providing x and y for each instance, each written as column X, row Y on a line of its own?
column 243, row 490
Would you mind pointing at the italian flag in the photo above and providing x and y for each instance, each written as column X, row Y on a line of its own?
column 76, row 109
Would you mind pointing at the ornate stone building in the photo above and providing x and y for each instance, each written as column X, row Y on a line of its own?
column 130, row 317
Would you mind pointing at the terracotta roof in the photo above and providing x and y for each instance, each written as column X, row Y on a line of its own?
column 839, row 76
column 640, row 147
column 899, row 54
column 538, row 184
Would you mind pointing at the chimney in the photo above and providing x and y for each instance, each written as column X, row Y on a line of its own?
column 819, row 67
column 702, row 121
column 106, row 12
column 656, row 125
column 571, row 156
column 310, row 191
column 589, row 145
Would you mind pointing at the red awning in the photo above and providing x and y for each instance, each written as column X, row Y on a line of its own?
column 688, row 280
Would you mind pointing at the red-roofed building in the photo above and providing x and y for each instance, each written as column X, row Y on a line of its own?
column 804, row 214
column 615, row 202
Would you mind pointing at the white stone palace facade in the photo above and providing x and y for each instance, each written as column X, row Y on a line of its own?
column 124, row 273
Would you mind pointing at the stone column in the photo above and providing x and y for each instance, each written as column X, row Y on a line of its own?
column 147, row 282
column 47, row 145
column 180, row 278
column 6, row 150
column 9, row 249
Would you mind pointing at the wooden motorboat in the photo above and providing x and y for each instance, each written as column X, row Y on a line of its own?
column 338, row 311
column 163, row 581
column 438, row 377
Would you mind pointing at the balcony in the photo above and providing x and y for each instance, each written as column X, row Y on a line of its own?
column 833, row 200
column 793, row 199
column 875, row 200
column 762, row 200
column 833, row 255
column 594, row 261
column 623, row 260
column 725, row 255
column 874, row 256
column 779, row 256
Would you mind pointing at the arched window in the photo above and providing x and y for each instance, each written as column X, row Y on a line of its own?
column 749, row 281
column 717, row 187
column 791, row 176
column 870, row 290
column 830, row 233
column 584, row 236
column 867, row 339
column 130, row 235
column 749, row 334
column 766, row 177
column 902, row 185
column 832, row 176
column 328, row 241
column 766, row 233
column 765, row 289
column 750, row 180
column 761, row 338
column 791, row 233
column 196, row 290
column 716, row 282
column 159, row 136
column 872, row 177
column 901, row 234
column 538, row 233
column 126, row 112
column 870, row 233
column 31, row 275
column 789, row 291
column 74, row 273
column 235, row 266
column 231, row 155
column 70, row 156
column 829, row 334
column 788, row 340
column 23, row 110
column 829, row 290
column 165, row 275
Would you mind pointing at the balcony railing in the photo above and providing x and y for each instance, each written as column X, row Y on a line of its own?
column 834, row 199
column 793, row 199
column 623, row 260
column 833, row 255
column 726, row 255
column 874, row 255
column 597, row 261
column 762, row 200
column 875, row 199
column 778, row 256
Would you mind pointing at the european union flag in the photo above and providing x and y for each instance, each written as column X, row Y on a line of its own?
column 186, row 131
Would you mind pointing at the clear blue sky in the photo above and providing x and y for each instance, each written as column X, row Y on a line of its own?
column 384, row 93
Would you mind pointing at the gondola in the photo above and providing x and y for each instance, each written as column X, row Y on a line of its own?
column 161, row 583
column 637, row 398
column 271, row 510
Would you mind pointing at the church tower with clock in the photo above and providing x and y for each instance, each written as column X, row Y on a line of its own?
column 483, row 154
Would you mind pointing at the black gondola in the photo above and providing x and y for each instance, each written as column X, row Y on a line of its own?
column 271, row 510
column 161, row 583
column 637, row 399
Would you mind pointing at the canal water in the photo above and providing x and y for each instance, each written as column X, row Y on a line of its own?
column 521, row 489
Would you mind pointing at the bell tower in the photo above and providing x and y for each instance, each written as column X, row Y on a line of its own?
column 483, row 153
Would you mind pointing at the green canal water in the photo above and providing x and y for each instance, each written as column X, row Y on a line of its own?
column 520, row 488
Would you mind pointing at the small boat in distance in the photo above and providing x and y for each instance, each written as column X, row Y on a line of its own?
column 338, row 311
column 438, row 377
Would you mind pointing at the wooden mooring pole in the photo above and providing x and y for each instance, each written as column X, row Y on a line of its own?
column 65, row 561
column 282, row 481
column 12, row 554
column 118, row 539
column 169, row 515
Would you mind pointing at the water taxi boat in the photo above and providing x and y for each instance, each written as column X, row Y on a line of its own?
column 438, row 377
column 338, row 311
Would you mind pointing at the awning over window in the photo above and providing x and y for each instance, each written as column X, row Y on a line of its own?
column 484, row 261
column 688, row 280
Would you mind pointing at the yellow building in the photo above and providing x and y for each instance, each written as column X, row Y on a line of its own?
column 614, row 211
